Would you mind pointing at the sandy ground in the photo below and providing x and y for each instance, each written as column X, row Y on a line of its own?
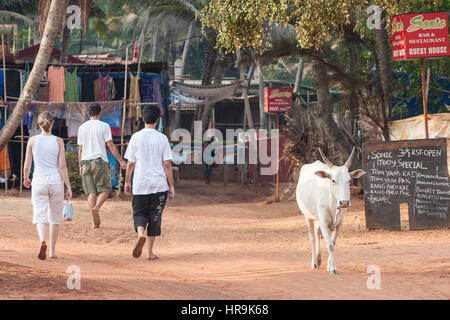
column 217, row 243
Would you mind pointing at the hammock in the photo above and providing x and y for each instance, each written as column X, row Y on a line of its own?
column 209, row 93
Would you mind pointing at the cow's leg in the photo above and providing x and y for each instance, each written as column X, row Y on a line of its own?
column 310, row 224
column 317, row 237
column 331, row 267
column 339, row 222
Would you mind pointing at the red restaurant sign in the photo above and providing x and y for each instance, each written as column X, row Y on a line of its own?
column 277, row 99
column 419, row 35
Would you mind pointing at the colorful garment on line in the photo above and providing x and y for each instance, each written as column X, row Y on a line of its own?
column 71, row 93
column 112, row 168
column 103, row 90
column 56, row 78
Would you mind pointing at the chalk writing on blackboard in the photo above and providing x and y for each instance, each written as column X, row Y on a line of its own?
column 407, row 171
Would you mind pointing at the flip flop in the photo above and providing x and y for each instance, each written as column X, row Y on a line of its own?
column 138, row 248
column 95, row 218
column 154, row 258
column 43, row 251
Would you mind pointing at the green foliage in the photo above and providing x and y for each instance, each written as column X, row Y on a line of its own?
column 247, row 24
column 74, row 175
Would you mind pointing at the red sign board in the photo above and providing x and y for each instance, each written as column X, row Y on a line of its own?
column 277, row 99
column 419, row 35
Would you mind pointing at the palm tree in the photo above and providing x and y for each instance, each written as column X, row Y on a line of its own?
column 85, row 7
column 174, row 15
column 52, row 27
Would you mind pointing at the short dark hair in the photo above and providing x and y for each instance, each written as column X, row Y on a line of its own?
column 150, row 113
column 94, row 109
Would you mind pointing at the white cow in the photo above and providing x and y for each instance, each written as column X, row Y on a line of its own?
column 323, row 196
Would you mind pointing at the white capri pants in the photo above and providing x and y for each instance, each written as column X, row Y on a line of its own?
column 48, row 203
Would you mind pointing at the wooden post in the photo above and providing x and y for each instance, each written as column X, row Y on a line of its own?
column 425, row 111
column 277, row 196
column 6, row 152
column 21, row 145
column 124, row 112
column 225, row 175
column 21, row 157
column 6, row 113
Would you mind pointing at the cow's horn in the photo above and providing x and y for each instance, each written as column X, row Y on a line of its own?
column 350, row 159
column 325, row 159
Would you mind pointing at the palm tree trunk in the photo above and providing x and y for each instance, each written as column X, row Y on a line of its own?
column 262, row 114
column 326, row 109
column 185, row 49
column 52, row 26
column 385, row 75
column 210, row 61
column 154, row 44
column 183, row 68
column 65, row 45
column 299, row 76
column 247, row 110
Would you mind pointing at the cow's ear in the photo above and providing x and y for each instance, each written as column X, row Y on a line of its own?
column 323, row 174
column 357, row 173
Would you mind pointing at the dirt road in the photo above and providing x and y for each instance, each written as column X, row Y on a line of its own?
column 217, row 243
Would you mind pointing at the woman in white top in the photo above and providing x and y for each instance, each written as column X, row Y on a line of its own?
column 50, row 174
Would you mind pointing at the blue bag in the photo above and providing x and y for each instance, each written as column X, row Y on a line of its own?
column 68, row 211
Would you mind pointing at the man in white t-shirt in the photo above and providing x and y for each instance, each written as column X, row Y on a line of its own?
column 93, row 161
column 149, row 156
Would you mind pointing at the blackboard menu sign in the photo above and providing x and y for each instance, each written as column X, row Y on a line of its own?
column 407, row 171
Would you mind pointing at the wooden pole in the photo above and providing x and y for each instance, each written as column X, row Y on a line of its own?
column 6, row 114
column 21, row 157
column 277, row 197
column 425, row 111
column 124, row 113
column 6, row 155
column 21, row 146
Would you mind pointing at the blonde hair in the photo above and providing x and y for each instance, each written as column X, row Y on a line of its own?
column 45, row 120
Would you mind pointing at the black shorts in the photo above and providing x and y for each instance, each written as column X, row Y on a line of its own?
column 147, row 212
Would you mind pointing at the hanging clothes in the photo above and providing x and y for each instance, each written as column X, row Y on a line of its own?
column 112, row 161
column 80, row 85
column 34, row 130
column 134, row 89
column 2, row 163
column 111, row 88
column 97, row 90
column 43, row 91
column 14, row 154
column 12, row 83
column 119, row 86
column 135, row 97
column 1, row 83
column 28, row 120
column 87, row 87
column 74, row 119
column 112, row 114
column 103, row 88
column 56, row 78
column 71, row 92
column 146, row 89
column 3, row 151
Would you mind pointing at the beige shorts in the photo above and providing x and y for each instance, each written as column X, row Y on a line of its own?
column 48, row 203
column 96, row 177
